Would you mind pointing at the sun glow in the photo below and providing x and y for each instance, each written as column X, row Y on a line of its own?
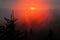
column 33, row 13
column 32, row 8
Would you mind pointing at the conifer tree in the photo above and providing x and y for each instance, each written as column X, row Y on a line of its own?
column 12, row 34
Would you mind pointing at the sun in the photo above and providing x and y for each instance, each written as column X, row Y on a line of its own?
column 32, row 8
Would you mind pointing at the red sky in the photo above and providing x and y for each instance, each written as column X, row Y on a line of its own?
column 40, row 16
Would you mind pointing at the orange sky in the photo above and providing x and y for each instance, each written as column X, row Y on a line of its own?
column 40, row 16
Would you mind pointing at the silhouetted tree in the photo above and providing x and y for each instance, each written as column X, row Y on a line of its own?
column 30, row 34
column 50, row 35
column 3, row 33
column 11, row 33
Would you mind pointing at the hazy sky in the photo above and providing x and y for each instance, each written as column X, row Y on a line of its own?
column 9, row 3
column 5, row 4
